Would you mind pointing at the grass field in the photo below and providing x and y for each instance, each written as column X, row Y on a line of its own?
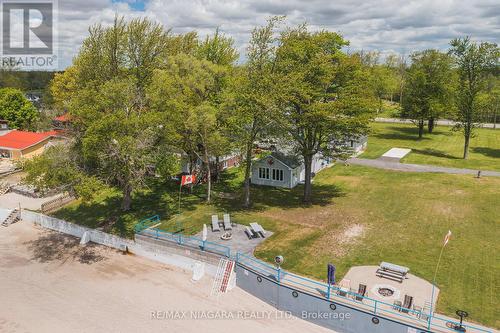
column 360, row 216
column 443, row 147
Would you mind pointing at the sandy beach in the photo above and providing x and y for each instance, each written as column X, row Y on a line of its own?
column 48, row 283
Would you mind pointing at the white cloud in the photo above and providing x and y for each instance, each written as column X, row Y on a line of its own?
column 385, row 25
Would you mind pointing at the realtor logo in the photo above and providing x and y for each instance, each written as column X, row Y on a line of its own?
column 28, row 33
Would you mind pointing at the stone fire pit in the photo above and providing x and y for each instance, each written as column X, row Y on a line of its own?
column 226, row 236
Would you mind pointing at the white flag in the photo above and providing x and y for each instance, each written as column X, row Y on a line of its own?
column 447, row 237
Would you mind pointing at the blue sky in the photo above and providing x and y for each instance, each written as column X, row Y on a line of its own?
column 136, row 5
column 389, row 26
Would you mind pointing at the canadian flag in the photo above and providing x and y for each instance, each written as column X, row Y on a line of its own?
column 188, row 179
column 447, row 237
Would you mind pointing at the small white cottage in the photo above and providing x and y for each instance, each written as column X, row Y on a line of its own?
column 280, row 170
column 357, row 145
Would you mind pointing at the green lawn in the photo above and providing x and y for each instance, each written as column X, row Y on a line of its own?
column 404, row 217
column 400, row 217
column 443, row 147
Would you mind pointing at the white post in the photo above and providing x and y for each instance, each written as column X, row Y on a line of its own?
column 434, row 287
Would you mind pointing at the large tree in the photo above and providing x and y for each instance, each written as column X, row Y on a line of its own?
column 117, row 136
column 324, row 97
column 219, row 49
column 253, row 102
column 428, row 89
column 183, row 92
column 397, row 64
column 17, row 110
column 473, row 61
column 124, row 147
column 56, row 168
column 489, row 100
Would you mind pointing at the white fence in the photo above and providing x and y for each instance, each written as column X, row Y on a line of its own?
column 96, row 236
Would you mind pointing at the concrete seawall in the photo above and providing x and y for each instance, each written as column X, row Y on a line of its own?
column 165, row 252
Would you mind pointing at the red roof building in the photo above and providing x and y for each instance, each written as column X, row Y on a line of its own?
column 62, row 118
column 18, row 144
column 62, row 124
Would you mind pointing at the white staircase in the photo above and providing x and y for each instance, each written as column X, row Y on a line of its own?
column 4, row 188
column 13, row 217
column 224, row 277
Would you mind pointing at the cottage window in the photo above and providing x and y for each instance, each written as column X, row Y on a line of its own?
column 264, row 173
column 278, row 175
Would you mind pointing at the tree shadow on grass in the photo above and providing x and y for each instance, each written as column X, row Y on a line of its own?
column 486, row 151
column 399, row 133
column 53, row 246
column 435, row 153
column 265, row 197
column 406, row 133
column 105, row 214
column 161, row 198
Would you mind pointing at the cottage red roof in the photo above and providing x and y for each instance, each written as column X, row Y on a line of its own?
column 62, row 118
column 19, row 140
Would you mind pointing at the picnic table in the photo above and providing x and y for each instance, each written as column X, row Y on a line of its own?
column 392, row 271
column 257, row 228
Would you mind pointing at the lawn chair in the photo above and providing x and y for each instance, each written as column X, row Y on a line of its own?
column 407, row 304
column 361, row 292
column 227, row 222
column 352, row 293
column 344, row 286
column 417, row 310
column 397, row 306
column 215, row 223
column 424, row 315
column 426, row 311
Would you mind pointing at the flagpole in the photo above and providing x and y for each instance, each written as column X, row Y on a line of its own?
column 180, row 191
column 434, row 284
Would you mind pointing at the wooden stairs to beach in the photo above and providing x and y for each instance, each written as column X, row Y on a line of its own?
column 13, row 217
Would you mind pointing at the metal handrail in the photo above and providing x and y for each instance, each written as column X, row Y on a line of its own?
column 287, row 278
column 376, row 306
column 146, row 222
column 188, row 241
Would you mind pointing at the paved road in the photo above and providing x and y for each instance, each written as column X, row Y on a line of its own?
column 381, row 164
column 438, row 122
